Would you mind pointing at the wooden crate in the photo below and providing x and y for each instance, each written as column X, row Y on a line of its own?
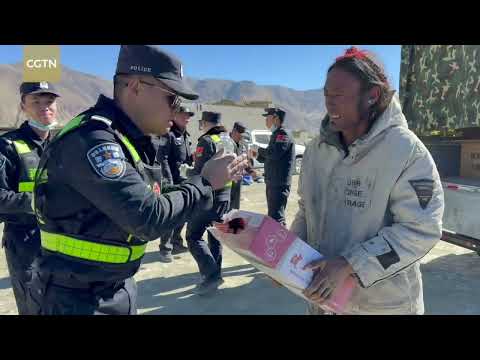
column 470, row 159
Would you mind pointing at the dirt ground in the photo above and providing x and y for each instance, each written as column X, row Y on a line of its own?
column 451, row 278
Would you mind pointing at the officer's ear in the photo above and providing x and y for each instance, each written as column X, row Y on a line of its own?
column 133, row 84
column 22, row 103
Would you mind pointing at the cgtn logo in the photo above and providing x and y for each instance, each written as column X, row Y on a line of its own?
column 41, row 63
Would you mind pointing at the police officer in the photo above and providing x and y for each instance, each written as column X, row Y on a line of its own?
column 175, row 151
column 208, row 257
column 237, row 136
column 97, row 197
column 279, row 159
column 20, row 152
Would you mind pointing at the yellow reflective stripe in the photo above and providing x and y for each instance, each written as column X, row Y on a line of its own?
column 21, row 146
column 137, row 251
column 89, row 250
column 26, row 186
column 31, row 173
column 43, row 177
column 215, row 138
column 130, row 148
column 72, row 124
column 76, row 122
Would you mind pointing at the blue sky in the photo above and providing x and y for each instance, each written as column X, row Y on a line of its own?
column 301, row 67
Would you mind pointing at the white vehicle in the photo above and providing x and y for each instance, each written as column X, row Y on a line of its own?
column 261, row 138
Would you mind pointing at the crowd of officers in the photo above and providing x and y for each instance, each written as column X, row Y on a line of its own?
column 78, row 208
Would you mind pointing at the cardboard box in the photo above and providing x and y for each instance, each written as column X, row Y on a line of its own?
column 286, row 255
column 470, row 159
column 283, row 251
column 281, row 255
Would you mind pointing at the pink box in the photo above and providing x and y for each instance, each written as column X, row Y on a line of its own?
column 271, row 242
column 286, row 255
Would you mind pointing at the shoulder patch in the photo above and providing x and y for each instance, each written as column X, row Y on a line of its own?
column 424, row 190
column 199, row 151
column 281, row 138
column 107, row 160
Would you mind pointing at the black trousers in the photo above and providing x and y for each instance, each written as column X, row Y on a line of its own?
column 21, row 245
column 48, row 294
column 277, row 201
column 174, row 238
column 235, row 195
column 208, row 256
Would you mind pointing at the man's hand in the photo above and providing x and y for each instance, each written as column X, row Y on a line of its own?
column 327, row 276
column 221, row 169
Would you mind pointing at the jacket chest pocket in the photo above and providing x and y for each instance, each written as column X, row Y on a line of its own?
column 355, row 192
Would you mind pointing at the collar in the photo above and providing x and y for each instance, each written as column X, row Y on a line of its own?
column 31, row 135
column 107, row 107
column 177, row 131
column 121, row 120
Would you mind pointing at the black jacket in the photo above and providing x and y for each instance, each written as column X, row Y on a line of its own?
column 16, row 207
column 279, row 158
column 175, row 150
column 206, row 148
column 83, row 198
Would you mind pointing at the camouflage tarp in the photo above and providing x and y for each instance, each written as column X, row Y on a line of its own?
column 440, row 86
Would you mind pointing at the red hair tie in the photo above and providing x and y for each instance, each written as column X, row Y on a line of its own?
column 353, row 52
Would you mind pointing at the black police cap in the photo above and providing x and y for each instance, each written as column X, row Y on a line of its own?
column 274, row 111
column 184, row 109
column 240, row 127
column 211, row 117
column 154, row 61
column 43, row 87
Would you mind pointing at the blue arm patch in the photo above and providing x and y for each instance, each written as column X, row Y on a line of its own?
column 107, row 160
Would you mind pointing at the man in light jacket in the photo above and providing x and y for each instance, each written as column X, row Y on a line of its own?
column 371, row 199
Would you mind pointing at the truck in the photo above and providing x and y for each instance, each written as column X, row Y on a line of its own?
column 261, row 138
column 440, row 97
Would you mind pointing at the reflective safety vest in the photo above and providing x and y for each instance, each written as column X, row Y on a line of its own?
column 29, row 160
column 216, row 139
column 85, row 249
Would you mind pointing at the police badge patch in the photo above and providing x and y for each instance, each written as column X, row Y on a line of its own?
column 424, row 190
column 107, row 160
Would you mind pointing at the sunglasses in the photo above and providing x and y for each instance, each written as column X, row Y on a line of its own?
column 174, row 99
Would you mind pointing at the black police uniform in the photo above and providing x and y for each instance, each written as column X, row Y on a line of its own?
column 98, row 202
column 279, row 159
column 175, row 150
column 166, row 182
column 108, row 197
column 20, row 152
column 208, row 257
